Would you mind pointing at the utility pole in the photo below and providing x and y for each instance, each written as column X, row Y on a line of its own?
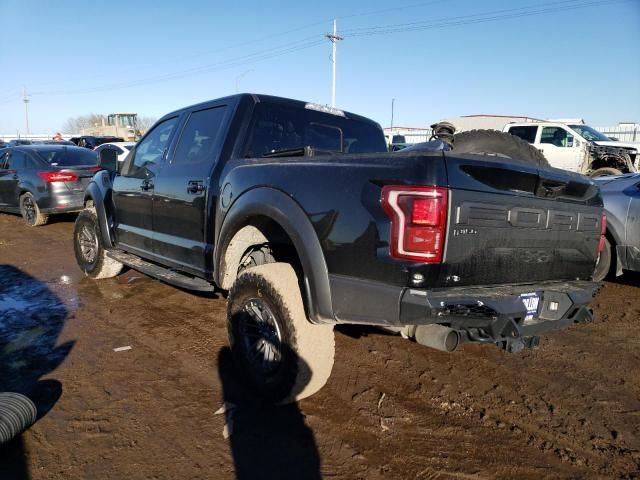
column 393, row 101
column 25, row 99
column 334, row 38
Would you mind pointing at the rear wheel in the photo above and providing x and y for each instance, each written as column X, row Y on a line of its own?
column 603, row 266
column 492, row 142
column 276, row 349
column 88, row 247
column 31, row 212
column 601, row 172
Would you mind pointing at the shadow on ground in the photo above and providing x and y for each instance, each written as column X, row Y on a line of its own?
column 31, row 319
column 267, row 441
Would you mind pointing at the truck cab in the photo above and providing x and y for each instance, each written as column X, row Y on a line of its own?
column 577, row 148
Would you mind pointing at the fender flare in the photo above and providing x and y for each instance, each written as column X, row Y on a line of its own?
column 282, row 209
column 97, row 192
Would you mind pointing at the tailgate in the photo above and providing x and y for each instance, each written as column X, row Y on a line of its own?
column 518, row 224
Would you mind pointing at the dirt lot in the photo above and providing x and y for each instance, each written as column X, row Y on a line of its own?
column 392, row 409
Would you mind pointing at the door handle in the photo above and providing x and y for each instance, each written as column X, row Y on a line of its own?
column 195, row 187
column 146, row 185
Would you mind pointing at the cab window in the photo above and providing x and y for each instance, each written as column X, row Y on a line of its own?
column 199, row 142
column 526, row 133
column 151, row 149
column 556, row 136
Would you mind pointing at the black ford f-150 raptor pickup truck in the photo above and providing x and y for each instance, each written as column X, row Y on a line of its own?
column 301, row 214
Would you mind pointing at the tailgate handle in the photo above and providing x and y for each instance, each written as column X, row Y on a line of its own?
column 551, row 189
column 146, row 185
column 195, row 187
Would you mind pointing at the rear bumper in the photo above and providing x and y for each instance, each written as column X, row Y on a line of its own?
column 61, row 202
column 498, row 314
column 492, row 314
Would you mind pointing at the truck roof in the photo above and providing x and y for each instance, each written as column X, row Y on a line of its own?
column 258, row 98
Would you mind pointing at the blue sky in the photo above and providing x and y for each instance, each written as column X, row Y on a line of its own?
column 77, row 57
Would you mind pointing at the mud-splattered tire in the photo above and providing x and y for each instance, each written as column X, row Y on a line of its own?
column 276, row 350
column 17, row 413
column 601, row 172
column 30, row 211
column 89, row 249
column 605, row 261
column 492, row 142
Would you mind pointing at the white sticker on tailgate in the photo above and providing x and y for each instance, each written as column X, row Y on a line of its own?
column 530, row 302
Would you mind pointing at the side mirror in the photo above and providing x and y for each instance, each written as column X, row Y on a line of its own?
column 615, row 139
column 108, row 159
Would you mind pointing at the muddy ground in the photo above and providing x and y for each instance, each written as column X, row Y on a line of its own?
column 391, row 409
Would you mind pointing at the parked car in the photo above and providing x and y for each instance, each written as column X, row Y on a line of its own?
column 92, row 142
column 19, row 141
column 299, row 212
column 121, row 148
column 41, row 180
column 621, row 249
column 54, row 142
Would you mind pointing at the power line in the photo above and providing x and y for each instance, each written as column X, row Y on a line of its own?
column 224, row 65
column 260, row 39
column 312, row 41
column 474, row 19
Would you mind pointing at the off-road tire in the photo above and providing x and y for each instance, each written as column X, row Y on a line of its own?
column 492, row 142
column 605, row 263
column 601, row 172
column 17, row 413
column 307, row 350
column 86, row 232
column 30, row 211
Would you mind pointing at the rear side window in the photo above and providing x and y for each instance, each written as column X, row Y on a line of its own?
column 526, row 133
column 200, row 139
column 4, row 161
column 17, row 161
column 68, row 157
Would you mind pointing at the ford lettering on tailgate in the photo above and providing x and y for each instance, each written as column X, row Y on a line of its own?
column 492, row 215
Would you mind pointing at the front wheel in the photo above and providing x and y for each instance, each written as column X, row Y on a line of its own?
column 89, row 249
column 276, row 349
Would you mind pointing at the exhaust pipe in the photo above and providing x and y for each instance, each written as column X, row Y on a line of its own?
column 438, row 337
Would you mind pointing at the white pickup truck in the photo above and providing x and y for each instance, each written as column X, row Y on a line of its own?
column 578, row 147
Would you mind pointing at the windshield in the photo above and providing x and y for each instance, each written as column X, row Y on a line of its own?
column 278, row 127
column 67, row 157
column 589, row 133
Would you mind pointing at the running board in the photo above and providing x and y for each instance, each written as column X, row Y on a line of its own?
column 161, row 273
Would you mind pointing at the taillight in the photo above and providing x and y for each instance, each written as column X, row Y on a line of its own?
column 603, row 231
column 51, row 177
column 418, row 221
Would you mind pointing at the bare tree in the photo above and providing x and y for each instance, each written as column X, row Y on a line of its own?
column 79, row 123
column 145, row 123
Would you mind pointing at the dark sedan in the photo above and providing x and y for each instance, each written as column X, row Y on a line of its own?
column 40, row 180
column 621, row 195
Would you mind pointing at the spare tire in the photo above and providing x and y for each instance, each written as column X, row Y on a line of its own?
column 604, row 171
column 493, row 142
